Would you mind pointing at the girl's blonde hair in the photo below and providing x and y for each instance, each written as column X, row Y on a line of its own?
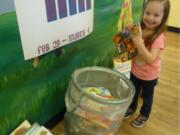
column 162, row 27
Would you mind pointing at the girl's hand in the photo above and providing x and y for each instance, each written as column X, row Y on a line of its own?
column 137, row 35
column 138, row 41
column 129, row 26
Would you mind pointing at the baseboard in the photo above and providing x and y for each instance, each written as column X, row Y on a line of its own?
column 55, row 120
column 173, row 29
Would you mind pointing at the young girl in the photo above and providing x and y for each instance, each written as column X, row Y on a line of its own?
column 146, row 65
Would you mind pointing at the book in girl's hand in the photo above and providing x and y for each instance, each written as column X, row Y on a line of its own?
column 126, row 49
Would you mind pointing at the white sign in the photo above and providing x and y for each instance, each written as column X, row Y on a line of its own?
column 46, row 25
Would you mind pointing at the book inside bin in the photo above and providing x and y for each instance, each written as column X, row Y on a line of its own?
column 96, row 101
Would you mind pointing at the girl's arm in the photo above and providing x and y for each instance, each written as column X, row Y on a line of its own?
column 148, row 55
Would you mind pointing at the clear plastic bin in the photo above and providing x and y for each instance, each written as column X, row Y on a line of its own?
column 91, row 115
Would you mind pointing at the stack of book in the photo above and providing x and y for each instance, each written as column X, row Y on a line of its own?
column 26, row 128
column 124, row 68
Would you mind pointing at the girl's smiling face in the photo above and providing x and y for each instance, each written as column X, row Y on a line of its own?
column 153, row 14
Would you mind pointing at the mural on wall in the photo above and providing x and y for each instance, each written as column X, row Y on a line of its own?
column 37, row 94
column 6, row 6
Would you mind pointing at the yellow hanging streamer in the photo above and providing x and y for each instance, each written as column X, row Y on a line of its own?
column 125, row 15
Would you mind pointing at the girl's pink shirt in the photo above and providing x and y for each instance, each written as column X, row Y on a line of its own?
column 149, row 71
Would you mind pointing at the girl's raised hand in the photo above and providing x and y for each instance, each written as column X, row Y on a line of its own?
column 136, row 34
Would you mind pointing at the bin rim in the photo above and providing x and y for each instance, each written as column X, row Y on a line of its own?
column 105, row 69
